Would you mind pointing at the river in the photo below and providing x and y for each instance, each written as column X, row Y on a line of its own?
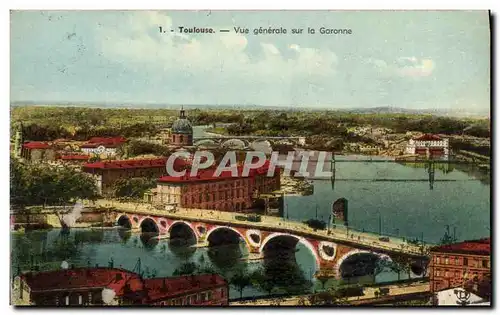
column 405, row 208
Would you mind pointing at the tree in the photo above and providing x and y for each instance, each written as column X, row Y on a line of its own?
column 133, row 187
column 240, row 281
column 186, row 269
column 33, row 185
column 263, row 280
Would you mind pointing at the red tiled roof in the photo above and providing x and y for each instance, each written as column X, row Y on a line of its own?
column 119, row 164
column 475, row 247
column 130, row 164
column 209, row 174
column 122, row 282
column 67, row 279
column 428, row 137
column 161, row 288
column 74, row 157
column 107, row 140
column 36, row 145
column 96, row 145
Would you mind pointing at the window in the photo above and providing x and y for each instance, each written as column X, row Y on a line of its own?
column 67, row 299
column 80, row 300
column 222, row 292
column 466, row 262
column 457, row 274
column 446, row 261
column 438, row 273
column 203, row 297
column 486, row 264
column 438, row 260
column 209, row 295
column 456, row 261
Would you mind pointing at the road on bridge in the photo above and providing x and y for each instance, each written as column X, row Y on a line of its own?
column 348, row 236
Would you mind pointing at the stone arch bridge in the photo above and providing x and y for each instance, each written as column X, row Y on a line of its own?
column 263, row 240
column 245, row 142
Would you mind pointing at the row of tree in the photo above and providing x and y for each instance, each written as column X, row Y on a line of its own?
column 37, row 184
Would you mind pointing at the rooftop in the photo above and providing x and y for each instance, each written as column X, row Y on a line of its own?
column 121, row 281
column 36, row 145
column 107, row 140
column 77, row 278
column 74, row 157
column 210, row 175
column 474, row 247
column 121, row 164
column 161, row 288
column 134, row 163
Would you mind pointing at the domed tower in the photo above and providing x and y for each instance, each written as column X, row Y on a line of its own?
column 182, row 131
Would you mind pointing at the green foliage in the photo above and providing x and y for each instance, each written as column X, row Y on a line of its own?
column 133, row 187
column 240, row 281
column 191, row 268
column 136, row 147
column 33, row 184
column 185, row 269
column 282, row 276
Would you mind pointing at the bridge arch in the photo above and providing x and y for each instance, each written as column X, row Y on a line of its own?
column 218, row 228
column 123, row 220
column 355, row 252
column 261, row 145
column 298, row 239
column 235, row 144
column 206, row 143
column 187, row 225
column 148, row 225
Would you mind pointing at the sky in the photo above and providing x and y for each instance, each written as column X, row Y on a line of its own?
column 408, row 59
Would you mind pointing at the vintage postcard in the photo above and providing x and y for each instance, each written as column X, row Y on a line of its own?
column 250, row 158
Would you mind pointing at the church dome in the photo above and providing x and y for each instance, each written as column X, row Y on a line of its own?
column 182, row 125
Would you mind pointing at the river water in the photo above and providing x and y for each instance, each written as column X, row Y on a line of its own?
column 405, row 208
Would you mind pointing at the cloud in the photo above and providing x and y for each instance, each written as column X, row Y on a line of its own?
column 409, row 67
column 139, row 45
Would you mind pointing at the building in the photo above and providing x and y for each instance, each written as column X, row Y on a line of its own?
column 36, row 151
column 428, row 145
column 107, row 173
column 210, row 289
column 103, row 147
column 223, row 192
column 181, row 133
column 78, row 286
column 459, row 264
column 114, row 286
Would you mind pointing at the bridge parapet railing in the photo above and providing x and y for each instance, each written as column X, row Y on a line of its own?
column 365, row 238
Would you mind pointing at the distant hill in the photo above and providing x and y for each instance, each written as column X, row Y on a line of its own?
column 365, row 110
